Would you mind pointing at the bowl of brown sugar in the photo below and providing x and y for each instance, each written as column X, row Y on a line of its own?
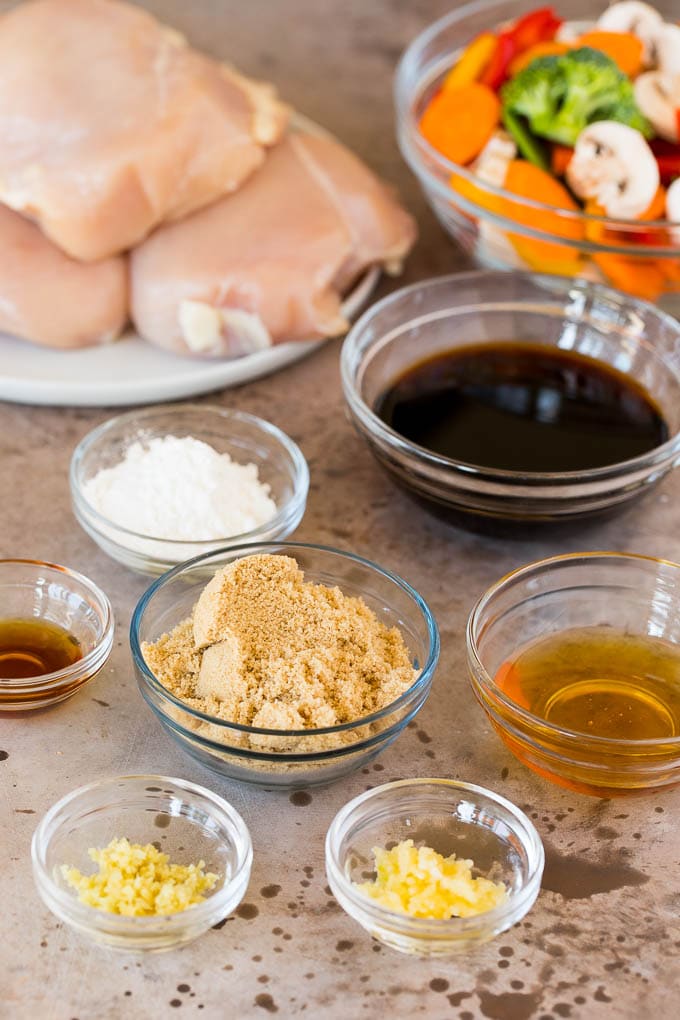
column 283, row 664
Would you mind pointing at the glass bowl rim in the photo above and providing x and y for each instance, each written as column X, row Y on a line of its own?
column 523, row 828
column 351, row 348
column 299, row 472
column 405, row 110
column 86, row 914
column 104, row 611
column 497, row 695
column 421, row 681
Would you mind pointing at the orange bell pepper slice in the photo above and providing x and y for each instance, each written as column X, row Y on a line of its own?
column 624, row 48
column 549, row 48
column 473, row 62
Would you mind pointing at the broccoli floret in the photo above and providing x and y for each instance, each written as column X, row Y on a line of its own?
column 560, row 95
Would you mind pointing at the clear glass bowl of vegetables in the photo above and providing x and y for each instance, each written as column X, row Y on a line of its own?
column 548, row 139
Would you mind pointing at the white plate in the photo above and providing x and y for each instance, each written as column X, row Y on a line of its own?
column 132, row 371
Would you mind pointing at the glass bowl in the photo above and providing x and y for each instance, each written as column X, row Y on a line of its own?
column 37, row 591
column 186, row 821
column 435, row 316
column 246, row 438
column 286, row 759
column 631, row 593
column 450, row 817
column 501, row 230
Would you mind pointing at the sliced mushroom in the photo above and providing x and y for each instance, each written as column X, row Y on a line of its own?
column 571, row 31
column 613, row 164
column 633, row 16
column 658, row 96
column 666, row 48
column 493, row 246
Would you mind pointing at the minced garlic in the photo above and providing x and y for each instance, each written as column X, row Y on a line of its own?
column 422, row 883
column 137, row 881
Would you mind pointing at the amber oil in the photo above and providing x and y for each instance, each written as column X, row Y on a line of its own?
column 32, row 648
column 599, row 682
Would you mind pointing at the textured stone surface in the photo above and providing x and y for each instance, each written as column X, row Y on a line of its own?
column 596, row 946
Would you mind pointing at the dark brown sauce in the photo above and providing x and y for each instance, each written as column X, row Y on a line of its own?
column 523, row 407
column 35, row 647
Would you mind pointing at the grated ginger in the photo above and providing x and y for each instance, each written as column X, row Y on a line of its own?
column 420, row 882
column 137, row 881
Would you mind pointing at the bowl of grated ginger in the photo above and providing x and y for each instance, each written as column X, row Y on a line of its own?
column 142, row 862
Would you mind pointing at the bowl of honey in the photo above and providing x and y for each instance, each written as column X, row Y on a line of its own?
column 576, row 662
column 56, row 633
column 516, row 396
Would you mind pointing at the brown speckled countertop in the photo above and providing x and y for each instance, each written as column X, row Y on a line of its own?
column 603, row 940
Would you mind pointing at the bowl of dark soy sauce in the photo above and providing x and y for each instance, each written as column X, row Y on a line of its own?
column 516, row 396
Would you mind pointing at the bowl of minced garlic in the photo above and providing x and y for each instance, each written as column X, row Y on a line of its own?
column 432, row 867
column 284, row 662
column 182, row 866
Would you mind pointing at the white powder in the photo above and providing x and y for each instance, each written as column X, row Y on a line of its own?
column 180, row 489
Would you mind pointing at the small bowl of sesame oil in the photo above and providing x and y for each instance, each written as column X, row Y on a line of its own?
column 576, row 661
column 56, row 633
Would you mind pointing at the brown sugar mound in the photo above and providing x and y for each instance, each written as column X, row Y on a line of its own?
column 265, row 648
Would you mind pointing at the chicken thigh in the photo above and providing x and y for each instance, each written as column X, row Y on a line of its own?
column 269, row 263
column 49, row 298
column 110, row 123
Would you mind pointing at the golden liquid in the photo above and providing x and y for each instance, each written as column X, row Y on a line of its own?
column 31, row 648
column 600, row 682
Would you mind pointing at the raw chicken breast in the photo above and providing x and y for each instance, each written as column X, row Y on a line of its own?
column 111, row 124
column 49, row 298
column 269, row 263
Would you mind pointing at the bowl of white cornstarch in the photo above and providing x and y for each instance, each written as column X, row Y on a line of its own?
column 156, row 487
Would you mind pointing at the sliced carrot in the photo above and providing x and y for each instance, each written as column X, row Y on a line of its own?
column 624, row 48
column 550, row 48
column 529, row 181
column 459, row 122
column 670, row 270
column 473, row 193
column 641, row 277
column 657, row 207
column 656, row 237
column 560, row 158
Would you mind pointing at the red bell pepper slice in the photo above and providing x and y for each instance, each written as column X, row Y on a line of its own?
column 667, row 155
column 534, row 27
column 497, row 69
